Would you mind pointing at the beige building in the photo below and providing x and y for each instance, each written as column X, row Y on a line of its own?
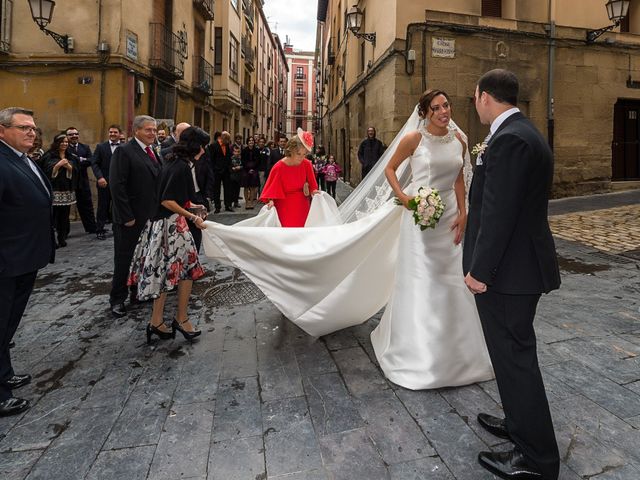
column 165, row 58
column 584, row 96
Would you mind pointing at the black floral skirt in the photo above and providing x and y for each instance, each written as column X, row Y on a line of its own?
column 164, row 255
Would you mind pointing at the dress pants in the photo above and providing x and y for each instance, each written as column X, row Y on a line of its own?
column 14, row 295
column 125, row 240
column 221, row 179
column 104, row 207
column 61, row 221
column 85, row 206
column 507, row 322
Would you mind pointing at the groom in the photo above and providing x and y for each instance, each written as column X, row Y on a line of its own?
column 509, row 261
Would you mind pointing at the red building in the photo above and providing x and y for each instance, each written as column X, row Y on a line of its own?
column 301, row 98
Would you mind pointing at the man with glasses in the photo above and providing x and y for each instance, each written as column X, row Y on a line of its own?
column 26, row 239
column 83, row 191
column 133, row 179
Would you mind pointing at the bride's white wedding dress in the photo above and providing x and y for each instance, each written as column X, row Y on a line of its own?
column 430, row 334
column 346, row 265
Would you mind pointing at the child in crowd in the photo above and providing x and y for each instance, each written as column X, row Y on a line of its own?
column 331, row 172
column 235, row 176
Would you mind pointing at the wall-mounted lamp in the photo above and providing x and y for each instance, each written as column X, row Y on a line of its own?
column 41, row 12
column 616, row 10
column 354, row 23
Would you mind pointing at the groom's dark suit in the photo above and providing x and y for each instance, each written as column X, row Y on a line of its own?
column 509, row 247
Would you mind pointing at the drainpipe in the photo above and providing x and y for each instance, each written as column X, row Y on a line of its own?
column 551, row 74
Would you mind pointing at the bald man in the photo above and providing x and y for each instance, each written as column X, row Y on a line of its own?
column 168, row 144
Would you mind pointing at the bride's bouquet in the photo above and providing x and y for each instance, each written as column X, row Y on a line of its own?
column 427, row 207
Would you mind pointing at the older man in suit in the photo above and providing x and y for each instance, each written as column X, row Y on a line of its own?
column 219, row 153
column 84, row 201
column 26, row 239
column 100, row 163
column 133, row 177
column 509, row 260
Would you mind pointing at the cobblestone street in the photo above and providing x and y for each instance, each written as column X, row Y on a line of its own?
column 256, row 398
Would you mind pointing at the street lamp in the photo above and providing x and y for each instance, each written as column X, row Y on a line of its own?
column 41, row 12
column 616, row 10
column 354, row 23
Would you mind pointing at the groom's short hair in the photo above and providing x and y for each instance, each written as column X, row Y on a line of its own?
column 500, row 84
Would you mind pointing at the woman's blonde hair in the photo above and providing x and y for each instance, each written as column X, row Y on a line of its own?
column 293, row 145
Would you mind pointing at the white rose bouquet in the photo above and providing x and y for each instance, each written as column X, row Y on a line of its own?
column 427, row 207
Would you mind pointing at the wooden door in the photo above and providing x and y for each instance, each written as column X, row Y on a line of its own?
column 625, row 148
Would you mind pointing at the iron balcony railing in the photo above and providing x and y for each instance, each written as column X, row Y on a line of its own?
column 300, row 113
column 206, row 8
column 204, row 76
column 300, row 76
column 300, row 93
column 248, row 12
column 247, row 51
column 166, row 56
column 247, row 99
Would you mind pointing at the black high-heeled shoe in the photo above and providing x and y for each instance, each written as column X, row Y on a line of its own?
column 153, row 330
column 186, row 334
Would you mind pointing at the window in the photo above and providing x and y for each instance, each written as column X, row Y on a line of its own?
column 298, row 123
column 299, row 108
column 233, row 58
column 492, row 8
column 164, row 105
column 362, row 50
column 217, row 54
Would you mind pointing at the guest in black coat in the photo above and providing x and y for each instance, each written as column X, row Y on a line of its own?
column 277, row 154
column 133, row 179
column 63, row 170
column 370, row 151
column 220, row 157
column 250, row 176
column 100, row 163
column 263, row 164
column 509, row 260
column 26, row 239
column 83, row 189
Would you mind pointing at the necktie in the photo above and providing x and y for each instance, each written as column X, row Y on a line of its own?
column 115, row 144
column 151, row 155
column 281, row 151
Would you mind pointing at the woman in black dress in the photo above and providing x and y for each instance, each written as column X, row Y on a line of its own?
column 166, row 254
column 63, row 169
column 250, row 174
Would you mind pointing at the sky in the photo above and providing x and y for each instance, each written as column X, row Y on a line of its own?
column 295, row 18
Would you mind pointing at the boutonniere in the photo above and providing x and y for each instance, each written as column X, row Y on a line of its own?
column 477, row 150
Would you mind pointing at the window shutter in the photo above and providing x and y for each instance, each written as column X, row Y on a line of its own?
column 492, row 8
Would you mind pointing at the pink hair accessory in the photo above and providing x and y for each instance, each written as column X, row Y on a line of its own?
column 306, row 138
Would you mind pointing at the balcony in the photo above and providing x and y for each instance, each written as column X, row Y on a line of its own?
column 248, row 12
column 204, row 76
column 165, row 58
column 247, row 100
column 247, row 52
column 205, row 7
column 301, row 76
column 300, row 94
column 299, row 113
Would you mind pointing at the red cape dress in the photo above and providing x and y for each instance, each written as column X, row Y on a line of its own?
column 285, row 187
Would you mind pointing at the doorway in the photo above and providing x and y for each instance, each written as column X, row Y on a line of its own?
column 625, row 148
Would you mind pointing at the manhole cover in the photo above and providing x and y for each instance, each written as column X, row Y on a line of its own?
column 237, row 293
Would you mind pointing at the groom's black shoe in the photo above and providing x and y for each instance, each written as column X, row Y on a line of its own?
column 494, row 425
column 509, row 465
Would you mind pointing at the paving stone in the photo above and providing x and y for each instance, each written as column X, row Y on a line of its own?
column 584, row 454
column 431, row 468
column 183, row 448
column 306, row 475
column 239, row 358
column 393, row 431
column 625, row 472
column 237, row 413
column 314, row 359
column 198, row 380
column 350, row 455
column 279, row 374
column 339, row 340
column 71, row 455
column 237, row 459
column 16, row 465
column 129, row 463
column 290, row 443
column 360, row 375
column 332, row 409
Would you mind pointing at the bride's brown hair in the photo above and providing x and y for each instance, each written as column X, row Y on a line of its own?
column 425, row 101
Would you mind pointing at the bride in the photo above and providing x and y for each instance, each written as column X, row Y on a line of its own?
column 348, row 263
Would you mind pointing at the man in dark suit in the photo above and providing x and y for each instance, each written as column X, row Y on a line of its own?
column 509, row 260
column 100, row 163
column 133, row 179
column 168, row 144
column 26, row 239
column 220, row 157
column 277, row 154
column 83, row 190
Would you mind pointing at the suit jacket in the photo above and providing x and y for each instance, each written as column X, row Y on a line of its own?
column 204, row 176
column 274, row 158
column 220, row 162
column 133, row 180
column 508, row 244
column 26, row 236
column 101, row 160
column 83, row 152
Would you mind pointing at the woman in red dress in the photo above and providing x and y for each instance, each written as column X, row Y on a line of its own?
column 285, row 187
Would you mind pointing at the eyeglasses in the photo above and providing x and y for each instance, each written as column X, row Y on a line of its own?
column 22, row 128
column 73, row 134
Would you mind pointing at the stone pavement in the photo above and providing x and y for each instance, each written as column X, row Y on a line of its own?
column 257, row 398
